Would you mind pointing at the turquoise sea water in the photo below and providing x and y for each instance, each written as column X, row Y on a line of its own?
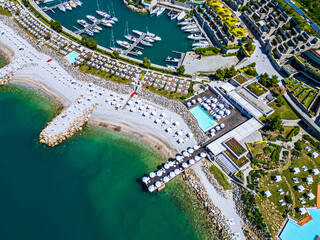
column 87, row 188
column 172, row 36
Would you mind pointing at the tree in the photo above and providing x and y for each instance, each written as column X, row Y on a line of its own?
column 297, row 145
column 84, row 40
column 47, row 36
column 220, row 73
column 180, row 70
column 115, row 54
column 26, row 3
column 280, row 101
column 288, row 199
column 230, row 72
column 146, row 63
column 273, row 81
column 264, row 78
column 56, row 25
column 276, row 123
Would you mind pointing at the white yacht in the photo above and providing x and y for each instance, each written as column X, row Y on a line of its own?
column 67, row 6
column 181, row 16
column 78, row 3
column 103, row 14
column 201, row 44
column 185, row 22
column 145, row 43
column 82, row 23
column 185, row 27
column 153, row 11
column 92, row 18
column 160, row 11
column 153, row 36
column 174, row 16
column 149, row 39
column 88, row 32
column 135, row 52
column 192, row 30
column 196, row 36
column 130, row 38
column 137, row 32
column 106, row 23
column 124, row 44
column 62, row 8
column 119, row 50
column 171, row 59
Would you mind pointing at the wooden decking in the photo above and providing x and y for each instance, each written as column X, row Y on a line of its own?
column 305, row 220
column 318, row 196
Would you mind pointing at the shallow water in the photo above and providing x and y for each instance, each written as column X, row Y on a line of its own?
column 86, row 188
column 173, row 38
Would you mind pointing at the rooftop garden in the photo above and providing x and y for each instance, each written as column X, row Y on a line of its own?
column 235, row 147
column 225, row 16
column 257, row 89
column 240, row 79
column 239, row 162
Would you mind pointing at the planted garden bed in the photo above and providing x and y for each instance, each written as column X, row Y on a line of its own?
column 235, row 147
column 256, row 89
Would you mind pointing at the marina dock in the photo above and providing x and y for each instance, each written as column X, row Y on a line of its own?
column 133, row 45
column 171, row 169
column 54, row 6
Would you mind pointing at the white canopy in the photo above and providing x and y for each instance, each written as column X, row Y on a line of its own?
column 302, row 211
column 267, row 193
column 152, row 175
column 190, row 150
column 145, row 179
column 311, row 196
column 166, row 179
column 151, row 188
column 158, row 184
column 191, row 161
column 301, row 188
column 315, row 171
column 172, row 174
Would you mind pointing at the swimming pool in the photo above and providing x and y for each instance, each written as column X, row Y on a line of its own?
column 72, row 56
column 204, row 120
column 309, row 231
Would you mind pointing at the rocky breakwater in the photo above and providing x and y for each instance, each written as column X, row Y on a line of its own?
column 134, row 8
column 217, row 218
column 68, row 122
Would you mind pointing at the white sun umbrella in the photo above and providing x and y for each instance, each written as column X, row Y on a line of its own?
column 189, row 135
column 165, row 179
column 218, row 128
column 157, row 120
column 188, row 104
column 146, row 114
column 158, row 184
column 221, row 106
column 221, row 113
column 197, row 158
column 196, row 147
column 176, row 123
column 145, row 179
column 166, row 122
column 151, row 188
column 213, row 105
column 208, row 101
column 169, row 130
column 141, row 108
column 228, row 112
column 190, row 150
column 163, row 114
column 177, row 171
column 199, row 100
column 193, row 101
column 218, row 117
column 132, row 109
column 184, row 165
column 203, row 154
column 214, row 100
column 191, row 161
column 212, row 130
column 179, row 157
column 179, row 133
column 222, row 125
column 166, row 166
column 154, row 113
column 172, row 174
column 79, row 101
column 181, row 140
column 152, row 174
column 185, row 153
column 159, row 173
column 171, row 163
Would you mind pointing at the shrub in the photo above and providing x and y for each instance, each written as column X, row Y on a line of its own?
column 297, row 145
column 288, row 199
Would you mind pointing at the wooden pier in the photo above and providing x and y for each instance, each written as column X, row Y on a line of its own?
column 133, row 45
column 182, row 55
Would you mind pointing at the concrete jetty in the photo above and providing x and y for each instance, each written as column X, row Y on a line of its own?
column 166, row 172
column 68, row 122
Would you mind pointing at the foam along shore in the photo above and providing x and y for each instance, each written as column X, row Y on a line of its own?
column 141, row 116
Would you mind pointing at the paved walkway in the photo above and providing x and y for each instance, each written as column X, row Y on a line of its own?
column 227, row 206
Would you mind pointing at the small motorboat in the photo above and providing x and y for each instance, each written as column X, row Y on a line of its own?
column 181, row 16
column 145, row 43
column 137, row 32
column 173, row 60
column 103, row 14
column 174, row 16
column 130, row 38
column 124, row 44
column 149, row 39
column 160, row 11
column 88, row 32
column 135, row 52
column 153, row 36
column 153, row 11
column 196, row 36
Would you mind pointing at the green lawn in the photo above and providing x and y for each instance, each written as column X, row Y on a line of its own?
column 285, row 111
column 4, row 11
column 220, row 177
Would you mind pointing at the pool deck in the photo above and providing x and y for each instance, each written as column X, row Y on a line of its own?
column 305, row 220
